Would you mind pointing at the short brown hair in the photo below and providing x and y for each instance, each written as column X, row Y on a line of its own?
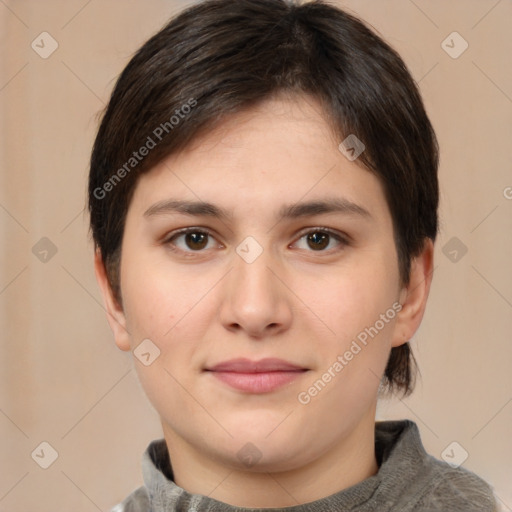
column 219, row 57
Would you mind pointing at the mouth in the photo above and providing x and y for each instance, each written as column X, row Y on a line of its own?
column 256, row 377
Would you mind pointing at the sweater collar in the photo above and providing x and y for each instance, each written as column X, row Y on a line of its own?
column 396, row 444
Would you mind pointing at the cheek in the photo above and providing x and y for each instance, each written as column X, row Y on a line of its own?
column 173, row 310
column 159, row 299
column 166, row 309
column 358, row 308
column 356, row 299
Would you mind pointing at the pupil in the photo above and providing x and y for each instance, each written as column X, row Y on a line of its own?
column 196, row 240
column 320, row 240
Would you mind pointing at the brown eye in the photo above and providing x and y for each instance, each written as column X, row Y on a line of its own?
column 196, row 241
column 318, row 240
column 321, row 240
column 190, row 240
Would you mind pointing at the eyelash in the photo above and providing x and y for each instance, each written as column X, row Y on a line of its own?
column 342, row 240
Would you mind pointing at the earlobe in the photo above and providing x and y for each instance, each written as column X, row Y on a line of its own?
column 115, row 314
column 413, row 297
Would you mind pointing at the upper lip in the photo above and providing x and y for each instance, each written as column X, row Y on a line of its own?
column 242, row 365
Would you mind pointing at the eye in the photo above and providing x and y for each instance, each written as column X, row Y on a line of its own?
column 191, row 240
column 320, row 239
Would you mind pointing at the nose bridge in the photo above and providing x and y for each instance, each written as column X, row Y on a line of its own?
column 251, row 273
column 256, row 299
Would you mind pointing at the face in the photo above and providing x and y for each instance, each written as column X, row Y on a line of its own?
column 261, row 264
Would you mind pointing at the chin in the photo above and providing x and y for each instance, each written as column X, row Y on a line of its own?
column 265, row 448
column 265, row 457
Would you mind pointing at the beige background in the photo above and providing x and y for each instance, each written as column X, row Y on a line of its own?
column 62, row 379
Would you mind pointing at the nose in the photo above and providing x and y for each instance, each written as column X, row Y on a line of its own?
column 256, row 299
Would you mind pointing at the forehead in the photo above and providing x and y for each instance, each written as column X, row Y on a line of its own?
column 280, row 151
column 278, row 122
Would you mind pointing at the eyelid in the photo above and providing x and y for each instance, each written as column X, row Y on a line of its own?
column 190, row 229
column 340, row 236
column 183, row 231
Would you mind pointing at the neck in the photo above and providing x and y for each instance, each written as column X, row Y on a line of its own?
column 347, row 463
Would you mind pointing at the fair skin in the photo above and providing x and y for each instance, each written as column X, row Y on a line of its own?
column 301, row 300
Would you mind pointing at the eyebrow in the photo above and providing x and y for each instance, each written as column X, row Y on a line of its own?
column 292, row 211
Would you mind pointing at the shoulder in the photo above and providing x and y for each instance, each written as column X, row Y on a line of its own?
column 457, row 489
column 421, row 482
column 137, row 501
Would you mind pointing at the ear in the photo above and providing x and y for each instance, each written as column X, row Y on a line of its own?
column 115, row 313
column 413, row 297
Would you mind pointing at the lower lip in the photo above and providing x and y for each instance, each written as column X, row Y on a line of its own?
column 257, row 382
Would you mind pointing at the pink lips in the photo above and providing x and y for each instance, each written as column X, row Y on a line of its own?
column 256, row 376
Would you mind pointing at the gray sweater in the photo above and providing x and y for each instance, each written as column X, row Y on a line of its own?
column 408, row 480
